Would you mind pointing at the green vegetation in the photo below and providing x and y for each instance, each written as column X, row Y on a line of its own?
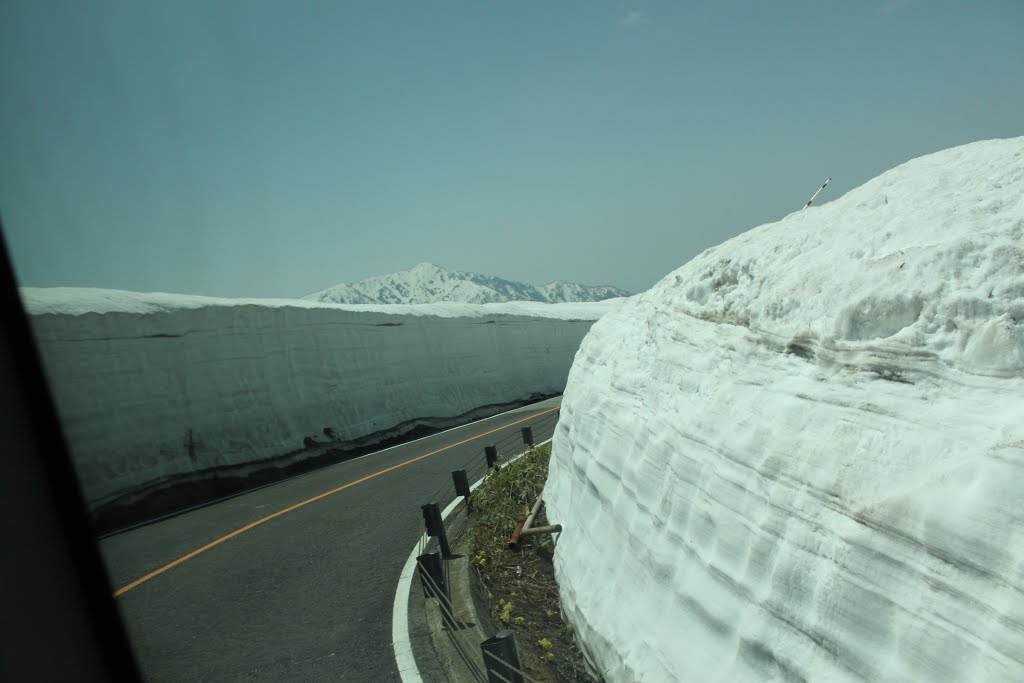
column 520, row 584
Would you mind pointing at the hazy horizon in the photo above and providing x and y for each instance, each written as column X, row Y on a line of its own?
column 353, row 282
column 256, row 149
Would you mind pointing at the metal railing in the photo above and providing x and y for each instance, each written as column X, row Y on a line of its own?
column 500, row 654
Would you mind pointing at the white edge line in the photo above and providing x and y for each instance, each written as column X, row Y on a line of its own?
column 400, row 638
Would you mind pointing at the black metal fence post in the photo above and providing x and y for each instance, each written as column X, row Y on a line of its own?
column 501, row 658
column 431, row 572
column 433, row 583
column 528, row 436
column 461, row 481
column 491, row 452
column 435, row 527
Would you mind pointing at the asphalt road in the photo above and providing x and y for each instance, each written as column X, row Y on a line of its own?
column 308, row 594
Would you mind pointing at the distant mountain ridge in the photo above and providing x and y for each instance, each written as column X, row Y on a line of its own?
column 426, row 283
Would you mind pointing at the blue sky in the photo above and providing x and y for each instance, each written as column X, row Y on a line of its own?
column 256, row 148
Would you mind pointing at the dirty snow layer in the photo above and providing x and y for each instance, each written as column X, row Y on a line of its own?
column 801, row 455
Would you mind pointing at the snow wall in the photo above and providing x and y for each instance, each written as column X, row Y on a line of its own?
column 801, row 455
column 155, row 387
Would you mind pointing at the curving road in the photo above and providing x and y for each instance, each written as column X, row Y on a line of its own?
column 289, row 583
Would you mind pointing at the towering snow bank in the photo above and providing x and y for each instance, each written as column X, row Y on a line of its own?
column 801, row 455
column 156, row 386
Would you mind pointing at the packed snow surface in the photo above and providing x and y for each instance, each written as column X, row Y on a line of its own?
column 427, row 283
column 801, row 455
column 156, row 386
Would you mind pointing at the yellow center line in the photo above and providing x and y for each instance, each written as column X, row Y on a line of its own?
column 247, row 527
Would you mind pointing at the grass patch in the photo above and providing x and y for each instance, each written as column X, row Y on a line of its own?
column 519, row 585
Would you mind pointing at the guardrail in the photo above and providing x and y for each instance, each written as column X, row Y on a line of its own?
column 500, row 653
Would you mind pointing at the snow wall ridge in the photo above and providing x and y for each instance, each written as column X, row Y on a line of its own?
column 929, row 255
column 156, row 393
column 800, row 456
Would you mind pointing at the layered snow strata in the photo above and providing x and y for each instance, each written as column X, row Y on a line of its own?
column 801, row 455
column 155, row 386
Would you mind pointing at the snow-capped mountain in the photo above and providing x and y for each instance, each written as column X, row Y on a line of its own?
column 428, row 284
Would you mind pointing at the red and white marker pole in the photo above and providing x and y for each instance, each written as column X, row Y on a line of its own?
column 818, row 192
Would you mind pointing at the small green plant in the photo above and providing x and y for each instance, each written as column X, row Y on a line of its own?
column 523, row 578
